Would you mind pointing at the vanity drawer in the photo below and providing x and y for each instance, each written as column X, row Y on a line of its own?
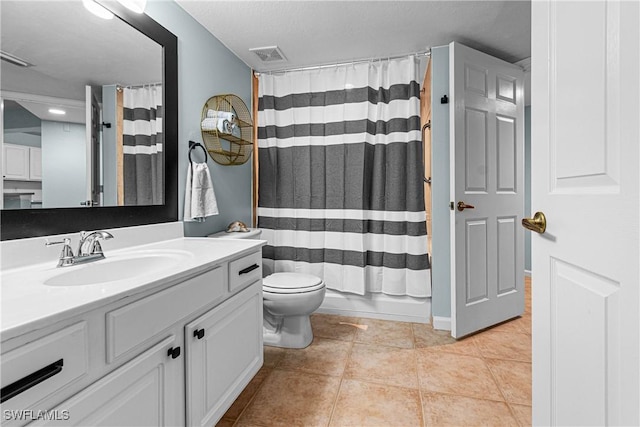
column 44, row 367
column 244, row 271
column 137, row 323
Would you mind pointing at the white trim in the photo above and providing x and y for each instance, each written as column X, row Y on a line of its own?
column 42, row 99
column 527, row 273
column 441, row 323
column 377, row 306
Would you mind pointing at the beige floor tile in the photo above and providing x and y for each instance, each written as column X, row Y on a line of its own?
column 456, row 374
column 365, row 404
column 460, row 381
column 382, row 332
column 503, row 345
column 272, row 356
column 523, row 414
column 514, row 379
column 335, row 327
column 323, row 356
column 247, row 394
column 525, row 323
column 387, row 365
column 427, row 337
column 290, row 398
column 450, row 410
column 512, row 325
column 224, row 422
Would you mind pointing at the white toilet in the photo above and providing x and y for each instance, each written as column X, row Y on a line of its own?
column 289, row 299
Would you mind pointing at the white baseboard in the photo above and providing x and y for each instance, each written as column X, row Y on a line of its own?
column 442, row 323
column 527, row 273
column 377, row 306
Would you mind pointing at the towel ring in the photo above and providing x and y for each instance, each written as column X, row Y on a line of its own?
column 192, row 145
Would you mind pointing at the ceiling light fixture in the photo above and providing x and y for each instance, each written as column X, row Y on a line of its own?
column 136, row 6
column 97, row 9
column 57, row 111
column 14, row 59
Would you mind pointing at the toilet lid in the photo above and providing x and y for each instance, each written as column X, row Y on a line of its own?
column 288, row 283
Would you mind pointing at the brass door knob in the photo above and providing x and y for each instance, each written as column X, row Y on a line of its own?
column 538, row 223
column 462, row 206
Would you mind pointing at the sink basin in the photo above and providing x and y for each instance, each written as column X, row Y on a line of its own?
column 122, row 267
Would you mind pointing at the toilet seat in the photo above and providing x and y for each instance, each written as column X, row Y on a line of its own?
column 291, row 283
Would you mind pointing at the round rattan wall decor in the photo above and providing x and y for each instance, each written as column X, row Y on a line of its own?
column 227, row 129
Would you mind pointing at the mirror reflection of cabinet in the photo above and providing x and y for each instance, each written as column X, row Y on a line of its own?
column 15, row 162
column 35, row 164
column 22, row 176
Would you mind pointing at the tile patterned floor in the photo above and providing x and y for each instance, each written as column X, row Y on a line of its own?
column 393, row 374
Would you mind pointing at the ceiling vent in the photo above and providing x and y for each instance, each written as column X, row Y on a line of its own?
column 269, row 54
column 14, row 59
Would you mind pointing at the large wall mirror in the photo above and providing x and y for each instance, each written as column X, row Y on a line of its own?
column 89, row 119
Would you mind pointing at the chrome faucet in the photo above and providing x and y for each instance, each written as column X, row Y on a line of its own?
column 90, row 243
column 89, row 248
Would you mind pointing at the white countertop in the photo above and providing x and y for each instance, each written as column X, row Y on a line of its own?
column 27, row 304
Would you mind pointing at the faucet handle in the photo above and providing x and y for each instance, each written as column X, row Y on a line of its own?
column 66, row 242
column 66, row 256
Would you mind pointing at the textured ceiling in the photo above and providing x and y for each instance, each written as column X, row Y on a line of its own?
column 325, row 32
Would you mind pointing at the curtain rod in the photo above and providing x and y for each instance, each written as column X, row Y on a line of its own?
column 342, row 64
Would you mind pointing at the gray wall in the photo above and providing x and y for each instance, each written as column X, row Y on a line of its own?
column 64, row 162
column 440, row 241
column 527, row 185
column 206, row 68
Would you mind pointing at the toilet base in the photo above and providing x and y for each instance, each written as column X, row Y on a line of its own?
column 290, row 332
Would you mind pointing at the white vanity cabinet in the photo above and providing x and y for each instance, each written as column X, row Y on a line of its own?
column 20, row 162
column 178, row 355
column 143, row 392
column 223, row 351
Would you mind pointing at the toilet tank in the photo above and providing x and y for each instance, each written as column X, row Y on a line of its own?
column 253, row 233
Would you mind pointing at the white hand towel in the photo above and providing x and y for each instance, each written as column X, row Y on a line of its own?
column 213, row 114
column 199, row 199
column 209, row 124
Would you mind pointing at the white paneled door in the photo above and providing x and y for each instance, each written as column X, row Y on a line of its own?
column 487, row 190
column 585, row 159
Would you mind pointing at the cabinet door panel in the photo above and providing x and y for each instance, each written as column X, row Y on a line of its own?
column 15, row 162
column 143, row 392
column 222, row 361
column 35, row 164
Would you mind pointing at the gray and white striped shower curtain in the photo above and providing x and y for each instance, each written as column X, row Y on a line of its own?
column 341, row 177
column 142, row 146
